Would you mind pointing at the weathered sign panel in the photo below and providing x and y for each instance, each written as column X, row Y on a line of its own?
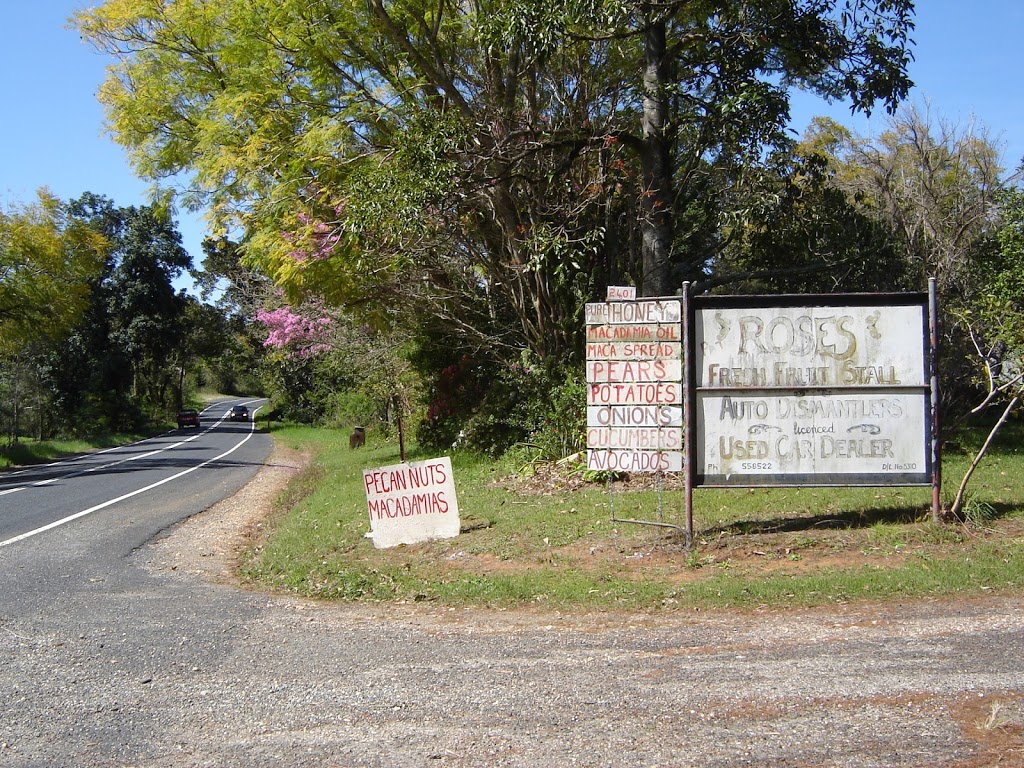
column 621, row 292
column 823, row 394
column 636, row 438
column 635, row 416
column 849, row 437
column 634, row 371
column 635, row 461
column 634, row 312
column 797, row 347
column 634, row 386
column 638, row 332
column 411, row 503
column 635, row 350
column 661, row 393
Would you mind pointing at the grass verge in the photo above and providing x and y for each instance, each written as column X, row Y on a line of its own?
column 545, row 543
column 28, row 451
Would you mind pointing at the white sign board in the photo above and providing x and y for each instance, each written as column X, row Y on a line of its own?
column 841, row 435
column 412, row 503
column 799, row 347
column 634, row 386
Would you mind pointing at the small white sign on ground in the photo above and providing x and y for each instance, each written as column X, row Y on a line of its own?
column 412, row 503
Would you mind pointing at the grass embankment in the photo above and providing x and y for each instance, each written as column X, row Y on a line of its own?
column 537, row 542
column 28, row 451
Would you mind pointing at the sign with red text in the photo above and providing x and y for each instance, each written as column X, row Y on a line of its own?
column 412, row 502
column 621, row 292
column 634, row 386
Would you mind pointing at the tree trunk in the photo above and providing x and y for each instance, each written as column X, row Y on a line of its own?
column 656, row 163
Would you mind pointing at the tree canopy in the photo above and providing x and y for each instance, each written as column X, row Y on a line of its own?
column 487, row 165
column 47, row 261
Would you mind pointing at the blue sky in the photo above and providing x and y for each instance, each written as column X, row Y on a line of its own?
column 969, row 66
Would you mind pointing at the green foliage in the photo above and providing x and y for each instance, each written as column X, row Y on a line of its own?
column 479, row 408
column 47, row 260
column 26, row 452
column 492, row 166
column 122, row 366
column 802, row 234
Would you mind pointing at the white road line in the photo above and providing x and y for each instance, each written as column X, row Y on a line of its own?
column 97, row 468
column 150, row 487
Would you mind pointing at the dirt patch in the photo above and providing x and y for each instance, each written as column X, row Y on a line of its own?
column 995, row 722
column 211, row 544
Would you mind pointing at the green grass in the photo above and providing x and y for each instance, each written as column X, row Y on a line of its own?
column 561, row 549
column 27, row 451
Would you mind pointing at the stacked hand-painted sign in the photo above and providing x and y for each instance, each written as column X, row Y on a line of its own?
column 634, row 386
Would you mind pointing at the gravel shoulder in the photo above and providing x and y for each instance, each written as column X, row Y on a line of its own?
column 924, row 683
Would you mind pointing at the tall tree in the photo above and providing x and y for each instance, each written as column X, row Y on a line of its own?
column 47, row 261
column 932, row 182
column 120, row 358
column 801, row 233
column 489, row 161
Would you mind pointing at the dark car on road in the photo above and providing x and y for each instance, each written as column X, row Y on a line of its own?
column 238, row 413
column 188, row 418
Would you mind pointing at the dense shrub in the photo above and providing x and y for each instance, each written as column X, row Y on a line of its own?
column 490, row 411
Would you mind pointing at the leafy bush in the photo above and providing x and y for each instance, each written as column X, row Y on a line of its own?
column 525, row 402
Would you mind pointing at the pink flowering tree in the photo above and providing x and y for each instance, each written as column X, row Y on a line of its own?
column 297, row 334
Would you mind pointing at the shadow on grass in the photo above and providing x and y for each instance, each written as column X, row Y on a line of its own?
column 851, row 520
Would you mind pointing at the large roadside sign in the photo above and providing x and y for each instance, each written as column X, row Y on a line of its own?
column 812, row 391
column 634, row 386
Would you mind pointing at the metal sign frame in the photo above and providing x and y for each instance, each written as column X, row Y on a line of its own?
column 903, row 403
column 865, row 363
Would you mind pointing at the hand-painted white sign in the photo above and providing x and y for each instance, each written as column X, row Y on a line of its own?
column 636, row 438
column 634, row 371
column 665, row 392
column 634, row 350
column 635, row 461
column 799, row 347
column 411, row 503
column 635, row 416
column 633, row 332
column 621, row 292
column 632, row 312
column 634, row 386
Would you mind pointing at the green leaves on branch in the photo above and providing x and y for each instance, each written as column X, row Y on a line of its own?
column 47, row 260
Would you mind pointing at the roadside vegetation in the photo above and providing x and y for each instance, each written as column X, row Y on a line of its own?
column 31, row 451
column 409, row 247
column 544, row 537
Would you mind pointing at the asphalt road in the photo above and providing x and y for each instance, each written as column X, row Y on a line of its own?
column 149, row 485
column 110, row 656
